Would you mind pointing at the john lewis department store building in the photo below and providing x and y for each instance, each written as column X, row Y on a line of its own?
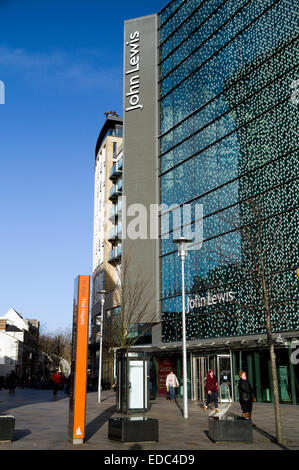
column 211, row 118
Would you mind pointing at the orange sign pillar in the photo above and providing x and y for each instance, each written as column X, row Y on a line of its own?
column 77, row 410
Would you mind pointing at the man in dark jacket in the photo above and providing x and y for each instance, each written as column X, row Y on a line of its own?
column 211, row 389
column 12, row 382
column 245, row 395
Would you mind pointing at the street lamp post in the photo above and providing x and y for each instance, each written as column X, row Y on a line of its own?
column 182, row 253
column 102, row 300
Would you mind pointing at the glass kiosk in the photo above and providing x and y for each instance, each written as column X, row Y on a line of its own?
column 132, row 380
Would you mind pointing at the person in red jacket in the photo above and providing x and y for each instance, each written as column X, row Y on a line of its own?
column 211, row 389
column 56, row 379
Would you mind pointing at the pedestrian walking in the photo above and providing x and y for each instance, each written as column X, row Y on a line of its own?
column 245, row 395
column 171, row 384
column 12, row 382
column 67, row 382
column 62, row 381
column 211, row 389
column 56, row 380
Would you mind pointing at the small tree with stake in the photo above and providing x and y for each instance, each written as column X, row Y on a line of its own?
column 134, row 314
column 133, row 310
column 269, row 276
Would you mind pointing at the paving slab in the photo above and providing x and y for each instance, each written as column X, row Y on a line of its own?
column 42, row 424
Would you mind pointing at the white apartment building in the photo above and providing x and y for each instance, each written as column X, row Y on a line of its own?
column 106, row 192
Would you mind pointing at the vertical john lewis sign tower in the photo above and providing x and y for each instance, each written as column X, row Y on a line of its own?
column 133, row 94
column 140, row 175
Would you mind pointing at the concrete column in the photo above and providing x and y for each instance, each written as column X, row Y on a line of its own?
column 259, row 396
column 189, row 375
column 178, row 370
column 235, row 372
column 292, row 375
column 270, row 381
column 249, row 368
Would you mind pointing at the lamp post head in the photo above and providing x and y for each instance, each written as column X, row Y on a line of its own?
column 279, row 339
column 182, row 243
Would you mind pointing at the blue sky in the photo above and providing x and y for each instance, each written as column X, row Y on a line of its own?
column 61, row 62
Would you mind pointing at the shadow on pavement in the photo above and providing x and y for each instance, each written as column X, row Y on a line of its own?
column 269, row 436
column 21, row 433
column 136, row 447
column 24, row 397
column 107, row 398
column 179, row 407
column 98, row 422
column 206, row 432
column 265, row 434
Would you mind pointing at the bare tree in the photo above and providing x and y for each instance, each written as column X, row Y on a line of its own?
column 256, row 256
column 132, row 311
column 56, row 345
column 135, row 309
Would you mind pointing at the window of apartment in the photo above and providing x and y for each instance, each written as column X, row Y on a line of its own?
column 114, row 149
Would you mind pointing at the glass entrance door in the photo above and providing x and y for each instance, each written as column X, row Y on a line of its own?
column 224, row 375
column 199, row 372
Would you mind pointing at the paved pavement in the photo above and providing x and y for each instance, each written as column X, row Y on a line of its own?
column 42, row 424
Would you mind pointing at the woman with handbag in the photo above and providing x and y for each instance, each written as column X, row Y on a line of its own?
column 171, row 384
column 245, row 395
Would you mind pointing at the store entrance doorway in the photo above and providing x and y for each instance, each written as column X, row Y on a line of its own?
column 222, row 366
column 224, row 377
column 200, row 367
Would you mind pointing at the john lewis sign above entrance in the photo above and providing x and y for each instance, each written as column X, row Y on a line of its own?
column 199, row 302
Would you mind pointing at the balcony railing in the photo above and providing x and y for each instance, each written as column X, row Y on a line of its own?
column 119, row 208
column 116, row 172
column 112, row 212
column 115, row 192
column 119, row 230
column 115, row 234
column 120, row 149
column 115, row 211
column 115, row 255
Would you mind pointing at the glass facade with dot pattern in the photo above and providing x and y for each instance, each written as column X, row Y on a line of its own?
column 229, row 133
